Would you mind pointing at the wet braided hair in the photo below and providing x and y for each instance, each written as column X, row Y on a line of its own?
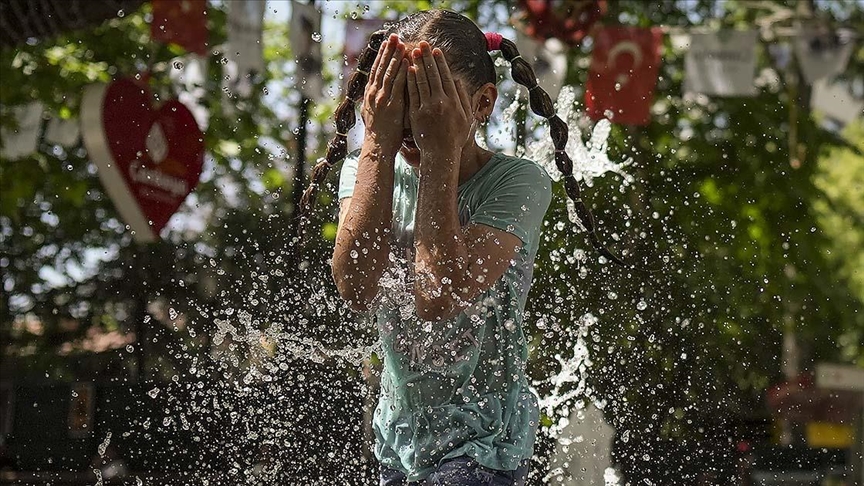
column 541, row 105
column 346, row 118
column 467, row 50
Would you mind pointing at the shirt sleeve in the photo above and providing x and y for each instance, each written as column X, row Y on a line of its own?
column 348, row 175
column 517, row 203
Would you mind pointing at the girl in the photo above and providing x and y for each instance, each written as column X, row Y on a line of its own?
column 438, row 236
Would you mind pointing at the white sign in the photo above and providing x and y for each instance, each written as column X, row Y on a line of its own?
column 835, row 100
column 721, row 63
column 22, row 141
column 823, row 54
column 189, row 76
column 245, row 32
column 840, row 377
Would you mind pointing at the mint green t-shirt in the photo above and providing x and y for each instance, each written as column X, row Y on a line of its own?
column 458, row 387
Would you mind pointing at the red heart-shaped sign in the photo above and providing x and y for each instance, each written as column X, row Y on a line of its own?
column 149, row 159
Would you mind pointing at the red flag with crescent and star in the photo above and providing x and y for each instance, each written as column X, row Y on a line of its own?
column 623, row 74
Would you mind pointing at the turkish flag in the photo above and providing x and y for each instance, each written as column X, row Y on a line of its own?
column 183, row 22
column 623, row 74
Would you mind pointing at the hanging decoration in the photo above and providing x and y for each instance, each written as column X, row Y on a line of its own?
column 721, row 63
column 181, row 22
column 22, row 141
column 188, row 78
column 834, row 99
column 569, row 21
column 148, row 158
column 823, row 54
column 305, row 37
column 623, row 74
column 548, row 60
column 245, row 38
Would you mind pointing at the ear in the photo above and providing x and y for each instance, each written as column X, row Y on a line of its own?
column 483, row 101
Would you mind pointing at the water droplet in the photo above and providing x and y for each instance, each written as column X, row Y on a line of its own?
column 153, row 393
column 178, row 65
column 316, row 36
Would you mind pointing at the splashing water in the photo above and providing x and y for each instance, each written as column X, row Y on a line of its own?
column 570, row 382
column 590, row 159
column 104, row 445
column 257, row 367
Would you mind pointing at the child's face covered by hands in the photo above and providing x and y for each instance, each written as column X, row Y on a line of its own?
column 413, row 103
column 440, row 117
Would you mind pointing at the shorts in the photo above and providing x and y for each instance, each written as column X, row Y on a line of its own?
column 461, row 471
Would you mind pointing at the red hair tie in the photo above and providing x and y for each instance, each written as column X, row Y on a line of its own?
column 493, row 41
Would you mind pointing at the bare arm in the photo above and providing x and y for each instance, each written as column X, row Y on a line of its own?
column 453, row 264
column 362, row 241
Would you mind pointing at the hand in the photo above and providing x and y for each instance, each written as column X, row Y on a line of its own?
column 439, row 107
column 384, row 99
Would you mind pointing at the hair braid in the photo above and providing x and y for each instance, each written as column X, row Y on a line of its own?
column 345, row 117
column 541, row 104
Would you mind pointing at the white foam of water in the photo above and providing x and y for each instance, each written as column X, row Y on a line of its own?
column 590, row 158
column 569, row 383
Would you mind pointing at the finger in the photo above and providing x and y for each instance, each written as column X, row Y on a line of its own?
column 393, row 67
column 413, row 90
column 420, row 71
column 444, row 71
column 464, row 100
column 398, row 93
column 385, row 59
column 431, row 68
column 375, row 66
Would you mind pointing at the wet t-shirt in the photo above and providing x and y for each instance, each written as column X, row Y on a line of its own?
column 458, row 387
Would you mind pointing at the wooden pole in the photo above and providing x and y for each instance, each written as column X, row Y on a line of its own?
column 299, row 168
